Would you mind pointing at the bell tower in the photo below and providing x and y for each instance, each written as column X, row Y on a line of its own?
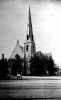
column 29, row 45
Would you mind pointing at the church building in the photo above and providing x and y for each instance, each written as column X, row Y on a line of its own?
column 29, row 49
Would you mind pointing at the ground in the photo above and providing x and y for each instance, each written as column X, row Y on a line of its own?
column 32, row 87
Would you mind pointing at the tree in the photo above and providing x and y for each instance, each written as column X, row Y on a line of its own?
column 3, row 68
column 42, row 65
column 51, row 66
column 35, row 66
column 18, row 63
column 12, row 66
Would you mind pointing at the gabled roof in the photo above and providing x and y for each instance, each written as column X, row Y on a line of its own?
column 18, row 49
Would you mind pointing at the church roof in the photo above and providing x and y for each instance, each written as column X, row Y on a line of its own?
column 18, row 49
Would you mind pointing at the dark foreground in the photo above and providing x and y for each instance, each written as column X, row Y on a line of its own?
column 31, row 88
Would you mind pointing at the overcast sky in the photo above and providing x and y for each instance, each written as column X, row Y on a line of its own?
column 46, row 21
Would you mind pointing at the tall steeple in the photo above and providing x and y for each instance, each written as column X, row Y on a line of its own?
column 30, row 29
column 29, row 45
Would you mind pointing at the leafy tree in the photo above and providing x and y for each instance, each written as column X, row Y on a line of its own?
column 18, row 63
column 12, row 64
column 35, row 66
column 3, row 67
column 51, row 66
column 43, row 65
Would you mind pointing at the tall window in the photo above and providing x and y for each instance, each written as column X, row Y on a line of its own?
column 27, row 48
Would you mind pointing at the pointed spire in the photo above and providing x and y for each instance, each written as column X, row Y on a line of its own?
column 30, row 30
column 17, row 41
column 30, row 23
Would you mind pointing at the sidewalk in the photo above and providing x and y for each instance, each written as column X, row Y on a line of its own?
column 42, row 77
